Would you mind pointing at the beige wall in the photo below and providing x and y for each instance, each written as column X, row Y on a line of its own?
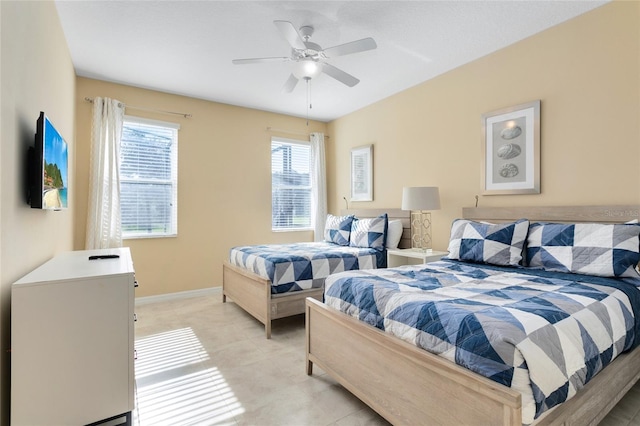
column 224, row 184
column 586, row 73
column 36, row 75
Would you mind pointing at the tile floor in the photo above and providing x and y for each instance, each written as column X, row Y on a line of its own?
column 202, row 362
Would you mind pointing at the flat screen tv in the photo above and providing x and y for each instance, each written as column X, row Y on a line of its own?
column 49, row 173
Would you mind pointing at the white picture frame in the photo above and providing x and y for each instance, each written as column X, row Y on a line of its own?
column 362, row 173
column 511, row 150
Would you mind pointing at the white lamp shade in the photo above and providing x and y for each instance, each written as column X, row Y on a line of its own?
column 420, row 198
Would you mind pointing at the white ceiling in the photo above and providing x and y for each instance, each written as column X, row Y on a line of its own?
column 186, row 47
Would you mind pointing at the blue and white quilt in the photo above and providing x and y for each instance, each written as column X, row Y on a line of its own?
column 302, row 266
column 544, row 334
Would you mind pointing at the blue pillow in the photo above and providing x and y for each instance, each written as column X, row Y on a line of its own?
column 337, row 229
column 371, row 233
column 496, row 244
column 606, row 250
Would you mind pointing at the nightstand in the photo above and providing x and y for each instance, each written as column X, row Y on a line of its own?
column 399, row 257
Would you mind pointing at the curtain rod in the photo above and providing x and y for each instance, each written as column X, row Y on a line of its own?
column 289, row 132
column 185, row 115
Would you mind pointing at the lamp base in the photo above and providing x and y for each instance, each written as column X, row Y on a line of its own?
column 421, row 230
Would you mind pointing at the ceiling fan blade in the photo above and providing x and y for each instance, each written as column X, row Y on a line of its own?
column 351, row 47
column 290, row 34
column 260, row 60
column 290, row 84
column 339, row 75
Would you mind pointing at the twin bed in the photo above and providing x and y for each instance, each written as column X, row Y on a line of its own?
column 273, row 281
column 505, row 345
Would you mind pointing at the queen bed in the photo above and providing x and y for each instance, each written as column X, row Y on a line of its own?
column 489, row 342
column 273, row 281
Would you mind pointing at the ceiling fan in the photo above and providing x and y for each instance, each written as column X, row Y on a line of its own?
column 310, row 58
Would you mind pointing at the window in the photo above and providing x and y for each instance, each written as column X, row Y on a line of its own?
column 290, row 185
column 149, row 178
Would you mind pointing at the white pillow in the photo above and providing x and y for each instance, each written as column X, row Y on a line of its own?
column 394, row 233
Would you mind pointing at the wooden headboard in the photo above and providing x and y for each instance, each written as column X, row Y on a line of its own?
column 570, row 214
column 394, row 214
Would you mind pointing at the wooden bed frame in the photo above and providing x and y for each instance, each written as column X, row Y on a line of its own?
column 253, row 293
column 407, row 385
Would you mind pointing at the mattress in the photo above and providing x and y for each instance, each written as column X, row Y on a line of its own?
column 303, row 266
column 544, row 334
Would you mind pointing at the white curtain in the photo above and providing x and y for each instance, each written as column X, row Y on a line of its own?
column 318, row 185
column 103, row 213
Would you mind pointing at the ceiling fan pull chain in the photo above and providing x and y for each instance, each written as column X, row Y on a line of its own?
column 308, row 98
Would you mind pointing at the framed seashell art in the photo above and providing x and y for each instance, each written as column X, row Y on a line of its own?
column 511, row 150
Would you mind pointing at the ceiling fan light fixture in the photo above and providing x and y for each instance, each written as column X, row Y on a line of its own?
column 307, row 69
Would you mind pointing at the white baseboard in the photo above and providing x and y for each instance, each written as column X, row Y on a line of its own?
column 179, row 295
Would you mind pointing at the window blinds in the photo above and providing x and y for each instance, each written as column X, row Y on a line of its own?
column 148, row 178
column 290, row 184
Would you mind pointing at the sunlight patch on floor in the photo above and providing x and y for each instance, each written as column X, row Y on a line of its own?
column 175, row 386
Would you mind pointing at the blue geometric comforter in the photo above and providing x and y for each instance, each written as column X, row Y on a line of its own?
column 543, row 334
column 301, row 266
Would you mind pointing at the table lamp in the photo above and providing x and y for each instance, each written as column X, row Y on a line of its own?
column 420, row 200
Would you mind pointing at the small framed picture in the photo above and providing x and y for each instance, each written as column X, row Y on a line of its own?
column 511, row 150
column 362, row 173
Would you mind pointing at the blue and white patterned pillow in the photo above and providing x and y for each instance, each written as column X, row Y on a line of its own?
column 370, row 233
column 495, row 244
column 607, row 250
column 337, row 229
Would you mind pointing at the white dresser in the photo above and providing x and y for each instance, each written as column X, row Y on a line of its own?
column 72, row 340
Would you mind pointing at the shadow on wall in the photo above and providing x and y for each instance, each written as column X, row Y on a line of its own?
column 27, row 132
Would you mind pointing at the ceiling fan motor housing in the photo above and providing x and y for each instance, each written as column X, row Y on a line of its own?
column 313, row 51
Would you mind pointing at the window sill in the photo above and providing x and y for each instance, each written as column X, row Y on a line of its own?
column 149, row 236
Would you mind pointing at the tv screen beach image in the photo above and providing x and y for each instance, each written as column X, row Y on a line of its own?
column 55, row 173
